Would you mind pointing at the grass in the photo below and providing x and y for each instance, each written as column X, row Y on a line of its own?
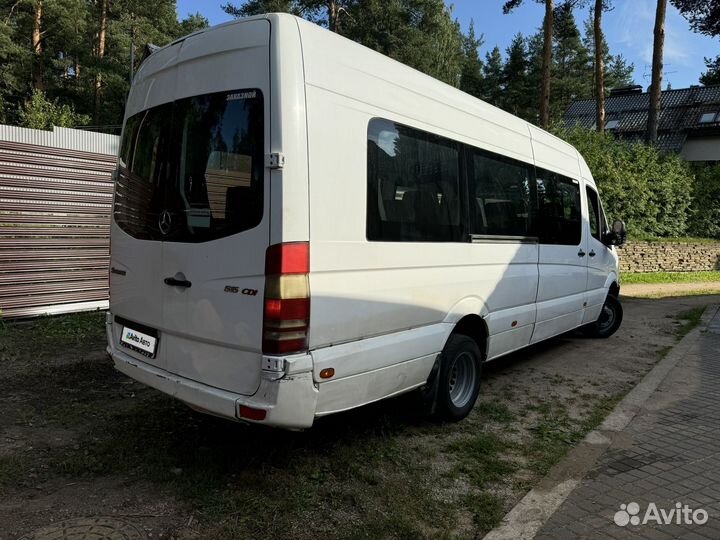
column 688, row 320
column 47, row 336
column 555, row 432
column 487, row 510
column 12, row 470
column 381, row 471
column 356, row 466
column 495, row 412
column 670, row 277
column 482, row 458
column 684, row 239
column 671, row 294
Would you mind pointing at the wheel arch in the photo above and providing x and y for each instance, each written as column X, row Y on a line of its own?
column 474, row 327
column 612, row 284
column 467, row 317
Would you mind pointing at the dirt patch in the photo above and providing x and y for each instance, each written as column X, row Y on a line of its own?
column 78, row 439
column 670, row 289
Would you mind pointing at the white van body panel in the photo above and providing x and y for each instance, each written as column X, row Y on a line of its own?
column 203, row 338
column 380, row 311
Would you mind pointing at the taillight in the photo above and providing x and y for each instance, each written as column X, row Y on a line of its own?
column 287, row 298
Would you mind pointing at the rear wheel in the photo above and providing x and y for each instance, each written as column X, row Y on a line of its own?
column 609, row 321
column 458, row 382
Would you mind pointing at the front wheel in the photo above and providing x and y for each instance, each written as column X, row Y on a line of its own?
column 458, row 382
column 609, row 321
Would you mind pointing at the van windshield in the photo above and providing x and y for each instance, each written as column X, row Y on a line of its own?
column 192, row 170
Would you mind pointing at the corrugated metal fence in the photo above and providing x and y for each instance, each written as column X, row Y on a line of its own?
column 55, row 206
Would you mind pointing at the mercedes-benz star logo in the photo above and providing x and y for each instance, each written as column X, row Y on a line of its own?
column 164, row 222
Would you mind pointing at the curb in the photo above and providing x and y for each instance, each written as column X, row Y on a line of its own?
column 540, row 503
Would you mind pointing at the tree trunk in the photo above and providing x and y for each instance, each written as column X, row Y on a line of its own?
column 657, row 67
column 546, row 64
column 599, row 68
column 332, row 15
column 37, row 46
column 102, row 35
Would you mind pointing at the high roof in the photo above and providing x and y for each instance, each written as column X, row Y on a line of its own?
column 681, row 113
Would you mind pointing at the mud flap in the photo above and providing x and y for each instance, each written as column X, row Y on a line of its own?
column 429, row 392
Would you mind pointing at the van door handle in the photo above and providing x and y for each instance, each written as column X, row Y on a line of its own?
column 592, row 253
column 178, row 282
column 581, row 253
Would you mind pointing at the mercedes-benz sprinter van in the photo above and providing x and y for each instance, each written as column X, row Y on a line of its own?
column 302, row 226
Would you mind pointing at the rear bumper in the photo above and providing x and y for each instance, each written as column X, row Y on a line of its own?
column 289, row 401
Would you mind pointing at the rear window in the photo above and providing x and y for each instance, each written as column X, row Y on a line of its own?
column 192, row 170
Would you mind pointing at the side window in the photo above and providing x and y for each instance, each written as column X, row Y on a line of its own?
column 499, row 196
column 559, row 209
column 413, row 185
column 594, row 214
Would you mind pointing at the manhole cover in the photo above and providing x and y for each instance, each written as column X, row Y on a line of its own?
column 97, row 528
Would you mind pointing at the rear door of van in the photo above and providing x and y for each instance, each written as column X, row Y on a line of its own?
column 203, row 153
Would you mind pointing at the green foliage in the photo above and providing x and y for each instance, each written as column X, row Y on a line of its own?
column 69, row 59
column 648, row 189
column 419, row 33
column 471, row 80
column 516, row 81
column 704, row 17
column 705, row 219
column 670, row 277
column 41, row 113
column 712, row 75
column 572, row 63
column 618, row 72
column 492, row 90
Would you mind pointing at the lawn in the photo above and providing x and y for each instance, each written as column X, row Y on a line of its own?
column 669, row 277
column 77, row 438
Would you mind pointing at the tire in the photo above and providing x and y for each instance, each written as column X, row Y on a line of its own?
column 458, row 382
column 609, row 321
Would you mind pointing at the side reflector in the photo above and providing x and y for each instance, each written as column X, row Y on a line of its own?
column 327, row 373
column 251, row 414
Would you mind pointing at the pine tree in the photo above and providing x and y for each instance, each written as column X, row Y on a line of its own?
column 471, row 80
column 572, row 61
column 493, row 78
column 515, row 81
column 712, row 75
column 704, row 17
column 419, row 33
column 324, row 12
column 545, row 84
column 618, row 72
column 657, row 67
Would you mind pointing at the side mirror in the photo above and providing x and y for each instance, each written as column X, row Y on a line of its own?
column 617, row 235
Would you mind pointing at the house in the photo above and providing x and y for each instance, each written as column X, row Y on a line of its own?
column 689, row 120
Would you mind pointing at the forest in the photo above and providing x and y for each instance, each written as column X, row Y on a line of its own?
column 68, row 62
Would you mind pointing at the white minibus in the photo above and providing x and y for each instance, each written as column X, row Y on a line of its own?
column 302, row 226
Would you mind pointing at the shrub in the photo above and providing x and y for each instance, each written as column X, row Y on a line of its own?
column 41, row 113
column 705, row 216
column 648, row 189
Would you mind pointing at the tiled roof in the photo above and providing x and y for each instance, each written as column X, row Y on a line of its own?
column 680, row 112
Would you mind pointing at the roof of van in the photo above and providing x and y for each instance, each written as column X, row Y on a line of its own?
column 370, row 61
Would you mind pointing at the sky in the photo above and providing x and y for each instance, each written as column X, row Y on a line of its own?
column 628, row 31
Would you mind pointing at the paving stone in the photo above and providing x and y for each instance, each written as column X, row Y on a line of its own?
column 673, row 456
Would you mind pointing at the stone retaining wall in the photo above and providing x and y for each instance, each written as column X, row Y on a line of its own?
column 669, row 257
